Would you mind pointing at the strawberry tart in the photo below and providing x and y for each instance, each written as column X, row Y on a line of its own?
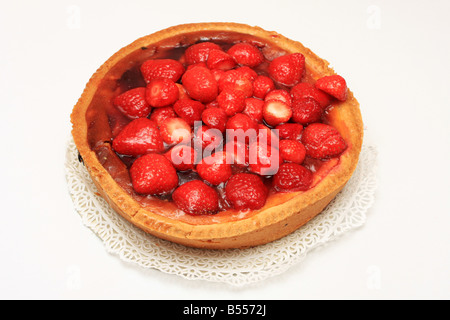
column 218, row 135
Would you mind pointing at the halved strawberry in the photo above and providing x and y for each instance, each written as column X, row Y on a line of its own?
column 153, row 174
column 322, row 141
column 334, row 85
column 215, row 118
column 219, row 59
column 199, row 52
column 292, row 151
column 200, row 84
column 189, row 110
column 162, row 93
column 288, row 69
column 276, row 112
column 140, row 136
column 254, row 109
column 196, row 198
column 231, row 101
column 292, row 177
column 182, row 157
column 175, row 130
column 308, row 90
column 262, row 86
column 246, row 191
column 214, row 168
column 306, row 110
column 162, row 69
column 246, row 54
column 279, row 94
column 132, row 103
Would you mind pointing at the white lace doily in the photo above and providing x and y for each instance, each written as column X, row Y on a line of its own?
column 235, row 267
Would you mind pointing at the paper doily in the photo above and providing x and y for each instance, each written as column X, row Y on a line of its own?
column 237, row 267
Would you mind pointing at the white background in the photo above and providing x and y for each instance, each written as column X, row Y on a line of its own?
column 395, row 58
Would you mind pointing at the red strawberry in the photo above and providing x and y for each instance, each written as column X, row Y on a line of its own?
column 306, row 110
column 231, row 101
column 334, row 85
column 276, row 112
column 199, row 52
column 292, row 177
column 288, row 69
column 237, row 153
column 153, row 174
column 236, row 81
column 247, row 72
column 279, row 94
column 292, row 151
column 200, row 84
column 175, row 130
column 162, row 69
column 160, row 114
column 212, row 104
column 162, row 93
column 207, row 137
column 305, row 90
column 182, row 157
column 199, row 64
column 214, row 168
column 215, row 118
column 241, row 121
column 322, row 141
column 242, row 128
column 262, row 86
column 254, row 109
column 189, row 110
column 267, row 136
column 263, row 160
column 217, row 73
column 139, row 137
column 183, row 92
column 246, row 191
column 246, row 54
column 196, row 198
column 218, row 59
column 290, row 131
column 132, row 103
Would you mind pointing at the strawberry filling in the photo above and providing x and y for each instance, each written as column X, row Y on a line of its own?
column 195, row 94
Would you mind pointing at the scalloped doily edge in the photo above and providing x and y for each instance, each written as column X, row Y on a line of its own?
column 237, row 267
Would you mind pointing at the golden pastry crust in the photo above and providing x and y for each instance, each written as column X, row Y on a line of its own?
column 269, row 223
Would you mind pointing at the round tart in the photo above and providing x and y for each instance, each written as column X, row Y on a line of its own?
column 146, row 105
